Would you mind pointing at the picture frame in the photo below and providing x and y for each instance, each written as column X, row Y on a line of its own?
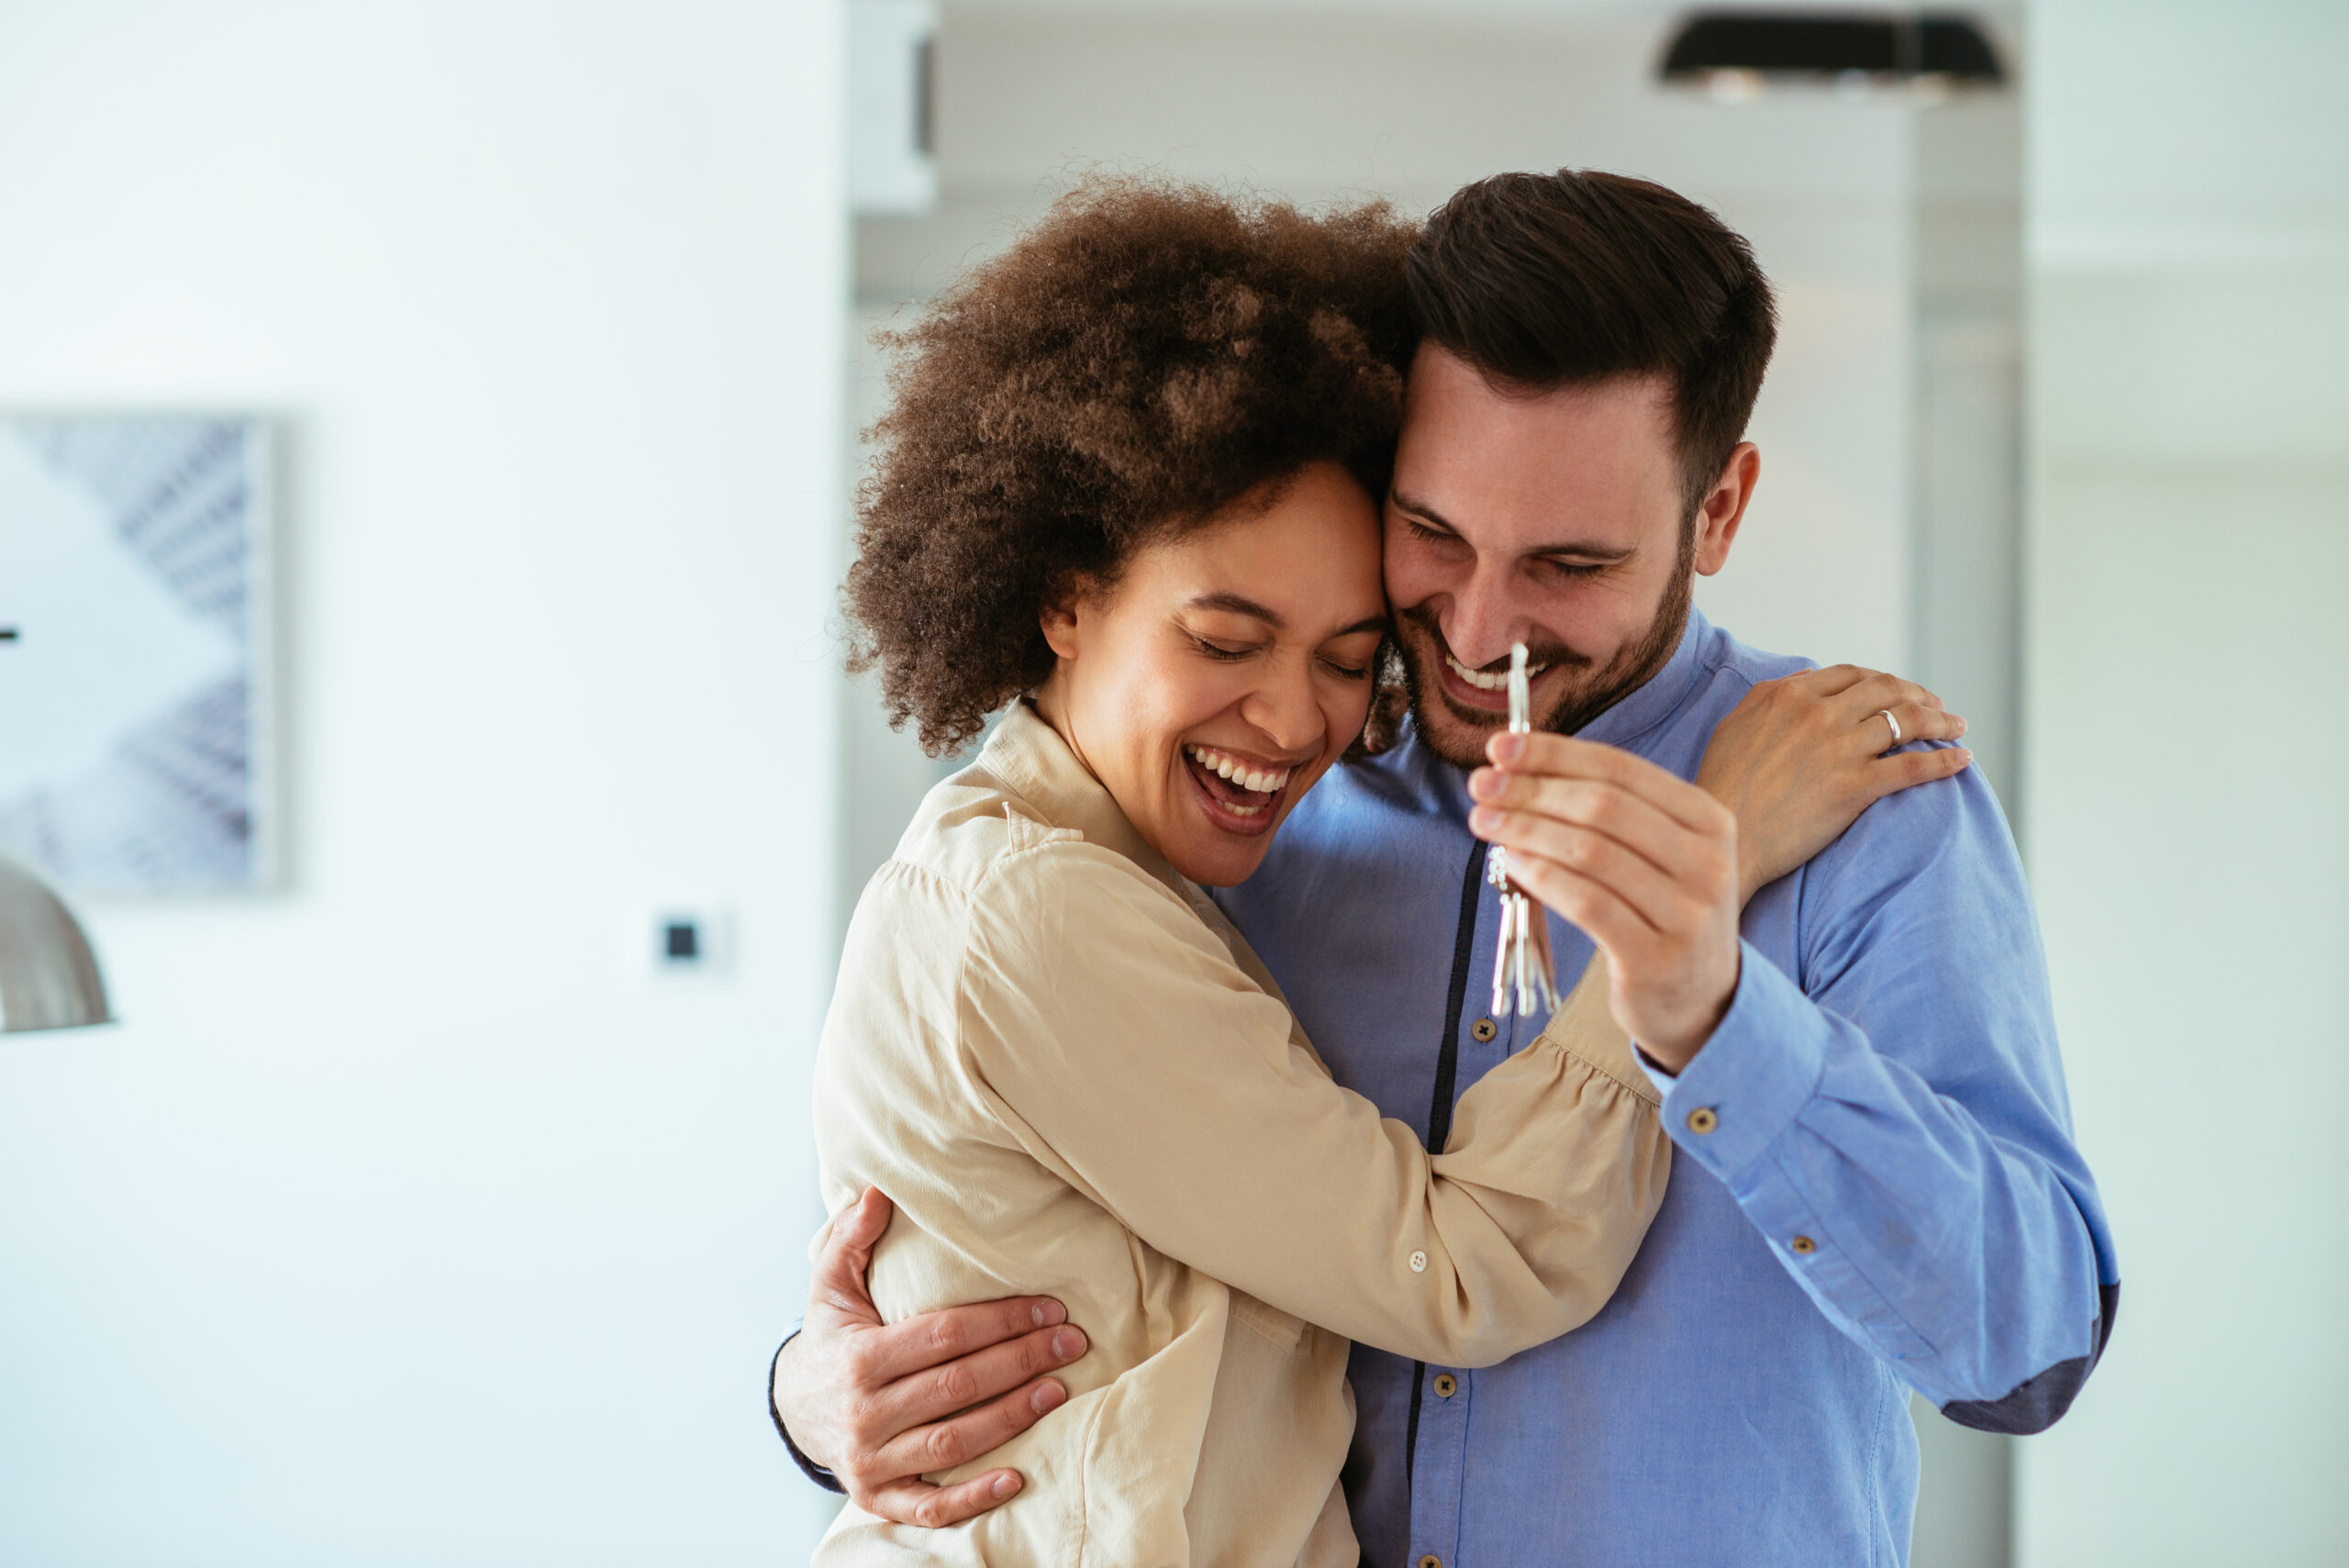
column 137, row 650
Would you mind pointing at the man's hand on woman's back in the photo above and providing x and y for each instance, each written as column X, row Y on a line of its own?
column 880, row 1404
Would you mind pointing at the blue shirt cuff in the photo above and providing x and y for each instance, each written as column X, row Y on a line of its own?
column 1752, row 1078
column 1663, row 1077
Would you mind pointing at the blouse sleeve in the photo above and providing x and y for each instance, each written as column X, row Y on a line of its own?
column 1127, row 1048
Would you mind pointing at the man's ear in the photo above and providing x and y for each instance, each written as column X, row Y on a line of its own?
column 1724, row 508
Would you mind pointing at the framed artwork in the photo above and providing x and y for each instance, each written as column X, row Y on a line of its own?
column 135, row 651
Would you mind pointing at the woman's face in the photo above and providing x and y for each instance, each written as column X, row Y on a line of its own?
column 1226, row 670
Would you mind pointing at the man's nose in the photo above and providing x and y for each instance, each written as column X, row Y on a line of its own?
column 1483, row 619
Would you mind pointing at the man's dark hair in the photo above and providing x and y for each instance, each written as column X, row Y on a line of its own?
column 1544, row 281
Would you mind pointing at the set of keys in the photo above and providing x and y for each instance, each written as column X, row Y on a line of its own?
column 1523, row 973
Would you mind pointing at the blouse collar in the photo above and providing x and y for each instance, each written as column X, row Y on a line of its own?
column 1028, row 753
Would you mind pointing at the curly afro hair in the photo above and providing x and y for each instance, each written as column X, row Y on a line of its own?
column 1146, row 354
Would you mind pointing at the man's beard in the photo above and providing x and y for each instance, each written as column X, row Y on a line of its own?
column 1583, row 689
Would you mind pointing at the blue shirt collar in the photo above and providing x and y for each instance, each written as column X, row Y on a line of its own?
column 1660, row 697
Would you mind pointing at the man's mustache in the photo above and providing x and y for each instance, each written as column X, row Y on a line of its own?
column 1537, row 654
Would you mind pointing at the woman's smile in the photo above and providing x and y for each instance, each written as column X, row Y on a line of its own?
column 1239, row 790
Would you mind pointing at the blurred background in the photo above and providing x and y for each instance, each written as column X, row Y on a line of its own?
column 446, row 1184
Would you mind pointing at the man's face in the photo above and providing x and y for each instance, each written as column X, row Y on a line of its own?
column 1556, row 519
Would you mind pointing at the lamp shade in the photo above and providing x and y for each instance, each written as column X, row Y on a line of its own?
column 48, row 976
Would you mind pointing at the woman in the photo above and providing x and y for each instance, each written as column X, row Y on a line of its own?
column 1127, row 489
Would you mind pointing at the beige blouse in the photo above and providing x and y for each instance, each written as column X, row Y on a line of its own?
column 1074, row 1079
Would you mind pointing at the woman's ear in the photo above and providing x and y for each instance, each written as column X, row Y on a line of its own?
column 1061, row 622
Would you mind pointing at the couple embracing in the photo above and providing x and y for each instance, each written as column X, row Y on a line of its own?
column 1225, row 1222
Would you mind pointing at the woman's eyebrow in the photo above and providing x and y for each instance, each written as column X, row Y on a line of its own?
column 1240, row 604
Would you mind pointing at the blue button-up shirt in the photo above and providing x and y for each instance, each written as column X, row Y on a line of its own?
column 1885, row 1194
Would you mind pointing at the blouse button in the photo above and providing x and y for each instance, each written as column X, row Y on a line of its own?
column 1430, row 1561
column 1419, row 1263
column 1446, row 1385
column 1803, row 1246
column 1484, row 1028
column 1702, row 1120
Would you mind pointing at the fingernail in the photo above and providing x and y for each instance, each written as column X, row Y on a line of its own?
column 1005, row 1484
column 1048, row 1397
column 1964, row 755
column 1961, row 727
column 1487, row 783
column 1504, row 748
column 1046, row 1313
column 1068, row 1344
column 1485, row 819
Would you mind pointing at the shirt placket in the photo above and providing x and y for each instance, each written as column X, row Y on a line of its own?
column 1485, row 1040
column 1442, row 1461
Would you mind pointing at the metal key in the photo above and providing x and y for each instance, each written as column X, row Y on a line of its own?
column 1523, row 972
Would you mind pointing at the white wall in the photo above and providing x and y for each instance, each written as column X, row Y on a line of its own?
column 404, row 1221
column 2191, row 261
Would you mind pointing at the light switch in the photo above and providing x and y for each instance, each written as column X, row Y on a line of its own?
column 687, row 940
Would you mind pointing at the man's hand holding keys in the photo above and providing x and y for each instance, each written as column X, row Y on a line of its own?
column 1644, row 862
column 1651, row 867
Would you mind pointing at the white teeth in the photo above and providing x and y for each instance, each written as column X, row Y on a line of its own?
column 1495, row 682
column 1239, row 772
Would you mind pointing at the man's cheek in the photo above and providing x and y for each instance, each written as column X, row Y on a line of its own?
column 1405, row 588
column 1411, row 573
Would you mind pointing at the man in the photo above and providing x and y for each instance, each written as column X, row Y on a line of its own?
column 1875, row 1187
